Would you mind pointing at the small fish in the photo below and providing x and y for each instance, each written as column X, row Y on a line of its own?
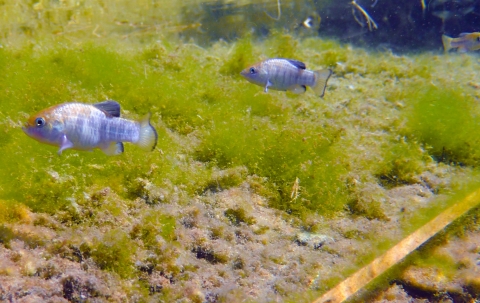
column 450, row 9
column 88, row 126
column 464, row 43
column 287, row 74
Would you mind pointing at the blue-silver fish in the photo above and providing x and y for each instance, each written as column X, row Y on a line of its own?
column 287, row 74
column 88, row 126
column 466, row 42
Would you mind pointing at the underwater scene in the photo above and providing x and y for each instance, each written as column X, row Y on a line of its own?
column 239, row 151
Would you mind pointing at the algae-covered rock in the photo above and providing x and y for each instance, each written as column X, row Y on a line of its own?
column 314, row 241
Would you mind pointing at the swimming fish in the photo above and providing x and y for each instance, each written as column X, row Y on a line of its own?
column 287, row 74
column 450, row 9
column 464, row 43
column 88, row 126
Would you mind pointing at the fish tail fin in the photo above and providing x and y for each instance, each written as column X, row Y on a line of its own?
column 148, row 134
column 447, row 43
column 321, row 78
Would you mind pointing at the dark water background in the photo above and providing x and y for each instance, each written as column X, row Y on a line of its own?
column 402, row 25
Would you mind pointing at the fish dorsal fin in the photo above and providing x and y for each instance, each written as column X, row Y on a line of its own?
column 297, row 64
column 110, row 107
column 464, row 34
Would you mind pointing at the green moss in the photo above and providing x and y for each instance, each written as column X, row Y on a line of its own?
column 282, row 155
column 369, row 209
column 402, row 162
column 261, row 230
column 331, row 57
column 445, row 121
column 354, row 234
column 114, row 252
column 237, row 216
column 153, row 225
column 6, row 235
column 224, row 179
column 11, row 211
column 210, row 255
column 241, row 58
column 217, row 232
column 282, row 45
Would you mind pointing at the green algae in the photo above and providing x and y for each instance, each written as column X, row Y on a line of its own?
column 114, row 252
column 237, row 216
column 273, row 138
column 217, row 131
column 154, row 224
column 444, row 120
column 6, row 235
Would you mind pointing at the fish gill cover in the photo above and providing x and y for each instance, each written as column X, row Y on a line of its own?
column 247, row 196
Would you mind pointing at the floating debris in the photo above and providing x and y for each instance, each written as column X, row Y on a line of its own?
column 370, row 22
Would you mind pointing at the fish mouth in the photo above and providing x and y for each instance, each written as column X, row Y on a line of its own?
column 26, row 129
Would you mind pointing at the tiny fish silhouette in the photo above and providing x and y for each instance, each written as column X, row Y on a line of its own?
column 465, row 42
column 88, row 126
column 287, row 74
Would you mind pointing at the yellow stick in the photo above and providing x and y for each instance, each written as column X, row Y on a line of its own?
column 368, row 19
column 361, row 278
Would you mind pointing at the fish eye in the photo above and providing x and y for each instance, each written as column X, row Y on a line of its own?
column 478, row 38
column 39, row 122
column 252, row 70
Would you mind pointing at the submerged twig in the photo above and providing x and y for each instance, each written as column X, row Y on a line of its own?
column 424, row 7
column 362, row 277
column 370, row 22
column 94, row 32
column 279, row 12
column 295, row 190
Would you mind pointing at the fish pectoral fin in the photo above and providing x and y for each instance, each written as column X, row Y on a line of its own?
column 297, row 89
column 64, row 144
column 267, row 85
column 112, row 148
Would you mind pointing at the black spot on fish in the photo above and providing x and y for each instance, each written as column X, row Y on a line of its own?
column 297, row 63
column 110, row 107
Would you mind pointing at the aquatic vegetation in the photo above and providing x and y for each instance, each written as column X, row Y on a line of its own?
column 445, row 122
column 237, row 216
column 236, row 173
column 356, row 281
